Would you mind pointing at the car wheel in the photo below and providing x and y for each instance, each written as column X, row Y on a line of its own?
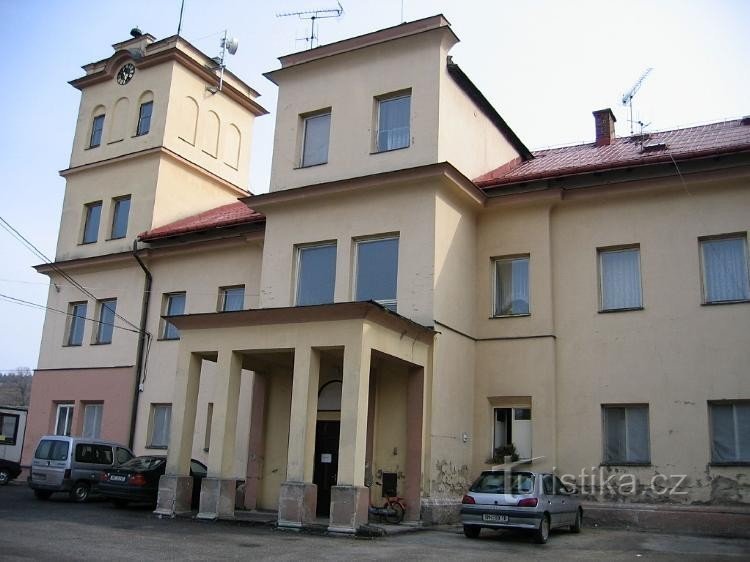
column 80, row 492
column 42, row 494
column 120, row 503
column 576, row 527
column 472, row 531
column 4, row 477
column 542, row 533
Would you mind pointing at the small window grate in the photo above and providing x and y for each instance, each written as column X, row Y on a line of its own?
column 390, row 485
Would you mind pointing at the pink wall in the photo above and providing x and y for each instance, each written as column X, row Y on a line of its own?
column 112, row 387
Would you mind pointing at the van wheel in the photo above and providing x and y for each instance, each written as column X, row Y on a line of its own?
column 4, row 477
column 576, row 527
column 472, row 531
column 42, row 494
column 80, row 492
column 542, row 533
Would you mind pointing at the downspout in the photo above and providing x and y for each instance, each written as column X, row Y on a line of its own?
column 141, row 341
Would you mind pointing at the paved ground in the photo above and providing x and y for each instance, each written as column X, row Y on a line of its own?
column 58, row 530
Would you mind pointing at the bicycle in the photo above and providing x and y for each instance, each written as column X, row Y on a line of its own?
column 393, row 510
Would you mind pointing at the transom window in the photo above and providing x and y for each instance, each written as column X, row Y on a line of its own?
column 316, row 274
column 377, row 271
column 97, row 126
column 626, row 434
column 232, row 298
column 393, row 127
column 174, row 305
column 620, row 279
column 120, row 216
column 511, row 286
column 91, row 222
column 106, row 320
column 144, row 118
column 76, row 323
column 725, row 269
column 316, row 137
column 730, row 431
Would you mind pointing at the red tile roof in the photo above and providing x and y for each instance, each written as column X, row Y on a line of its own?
column 692, row 142
column 233, row 214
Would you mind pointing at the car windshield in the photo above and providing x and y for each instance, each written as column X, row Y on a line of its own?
column 504, row 483
column 143, row 463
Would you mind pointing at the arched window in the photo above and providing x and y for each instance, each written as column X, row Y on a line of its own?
column 329, row 397
column 119, row 120
column 97, row 126
column 232, row 141
column 210, row 127
column 188, row 119
column 145, row 112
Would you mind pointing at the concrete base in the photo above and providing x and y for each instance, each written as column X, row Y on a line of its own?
column 349, row 508
column 297, row 503
column 217, row 499
column 440, row 511
column 175, row 495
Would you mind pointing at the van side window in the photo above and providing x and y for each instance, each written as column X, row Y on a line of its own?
column 94, row 454
column 52, row 450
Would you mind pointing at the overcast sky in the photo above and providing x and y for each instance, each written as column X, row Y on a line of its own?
column 544, row 65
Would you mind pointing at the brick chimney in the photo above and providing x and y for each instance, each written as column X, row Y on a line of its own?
column 604, row 120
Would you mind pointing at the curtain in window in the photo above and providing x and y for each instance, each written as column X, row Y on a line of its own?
column 730, row 439
column 621, row 279
column 92, row 421
column 725, row 270
column 626, row 435
column 162, row 418
column 317, row 136
column 512, row 286
column 393, row 123
column 637, row 428
column 614, row 439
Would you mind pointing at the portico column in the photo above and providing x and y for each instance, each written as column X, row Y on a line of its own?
column 298, row 495
column 349, row 498
column 218, row 489
column 414, row 438
column 176, row 485
column 256, row 441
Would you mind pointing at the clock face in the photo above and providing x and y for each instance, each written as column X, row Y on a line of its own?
column 125, row 73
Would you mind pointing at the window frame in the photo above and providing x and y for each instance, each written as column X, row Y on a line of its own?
column 221, row 305
column 713, row 461
column 116, row 202
column 392, row 96
column 355, row 265
column 626, row 407
column 98, row 432
column 495, row 261
column 100, row 306
column 600, row 276
column 298, row 251
column 70, row 408
column 305, row 118
column 142, row 119
column 152, row 425
column 88, row 207
column 9, row 439
column 97, row 119
column 166, row 301
column 714, row 238
column 73, row 319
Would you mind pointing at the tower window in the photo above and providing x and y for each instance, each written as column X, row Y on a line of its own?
column 120, row 217
column 91, row 224
column 96, row 131
column 144, row 118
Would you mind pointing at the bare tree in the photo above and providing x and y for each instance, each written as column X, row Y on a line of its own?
column 15, row 387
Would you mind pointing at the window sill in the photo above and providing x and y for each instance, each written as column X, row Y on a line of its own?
column 91, row 147
column 523, row 315
column 159, row 447
column 729, row 463
column 390, row 150
column 167, row 339
column 616, row 464
column 141, row 135
column 72, row 345
column 115, row 141
column 88, row 243
column 612, row 310
column 115, row 238
column 101, row 343
column 720, row 303
column 310, row 165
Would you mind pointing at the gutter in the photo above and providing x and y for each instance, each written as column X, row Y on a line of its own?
column 142, row 335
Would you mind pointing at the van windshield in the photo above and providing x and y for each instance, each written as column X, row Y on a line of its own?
column 504, row 483
column 52, row 450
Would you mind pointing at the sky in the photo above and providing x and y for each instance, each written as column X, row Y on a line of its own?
column 544, row 65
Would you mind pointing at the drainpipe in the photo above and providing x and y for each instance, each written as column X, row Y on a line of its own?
column 141, row 341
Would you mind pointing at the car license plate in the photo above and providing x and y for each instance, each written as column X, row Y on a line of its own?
column 494, row 518
column 116, row 478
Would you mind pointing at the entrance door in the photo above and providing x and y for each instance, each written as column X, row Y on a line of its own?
column 326, row 462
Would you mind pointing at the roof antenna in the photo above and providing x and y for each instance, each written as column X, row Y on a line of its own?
column 627, row 99
column 314, row 16
column 179, row 23
column 228, row 45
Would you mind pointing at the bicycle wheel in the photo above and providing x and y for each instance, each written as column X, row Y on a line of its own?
column 395, row 512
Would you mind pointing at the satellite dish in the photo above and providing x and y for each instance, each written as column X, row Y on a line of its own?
column 231, row 45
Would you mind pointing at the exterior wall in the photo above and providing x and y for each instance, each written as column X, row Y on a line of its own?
column 348, row 84
column 112, row 387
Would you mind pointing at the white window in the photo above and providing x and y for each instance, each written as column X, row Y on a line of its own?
column 161, row 416
column 91, row 222
column 377, row 271
column 76, row 323
column 626, row 434
column 316, row 274
column 232, row 298
column 64, row 419
column 511, row 286
column 174, row 305
column 92, row 420
column 725, row 269
column 620, row 279
column 316, row 136
column 393, row 130
column 106, row 321
column 512, row 431
column 730, row 431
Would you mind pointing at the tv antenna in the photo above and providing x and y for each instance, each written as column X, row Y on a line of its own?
column 314, row 16
column 227, row 45
column 627, row 98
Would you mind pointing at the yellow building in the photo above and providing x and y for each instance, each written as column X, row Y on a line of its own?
column 416, row 297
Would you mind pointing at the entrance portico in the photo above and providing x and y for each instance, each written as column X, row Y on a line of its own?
column 383, row 362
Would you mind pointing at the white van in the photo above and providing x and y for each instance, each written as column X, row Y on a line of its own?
column 73, row 465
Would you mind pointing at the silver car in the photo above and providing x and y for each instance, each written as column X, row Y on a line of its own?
column 531, row 501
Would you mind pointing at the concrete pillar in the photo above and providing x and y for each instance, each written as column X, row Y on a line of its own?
column 256, row 441
column 298, row 495
column 414, row 439
column 350, row 499
column 218, row 488
column 176, row 485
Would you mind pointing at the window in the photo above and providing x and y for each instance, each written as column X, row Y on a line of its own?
column 209, row 419
column 620, row 279
column 120, row 217
column 511, row 286
column 91, row 224
column 76, row 323
column 106, row 321
column 174, row 305
column 316, row 135
column 91, row 453
column 512, row 427
column 64, row 420
column 725, row 271
column 92, row 420
column 122, row 455
column 626, row 439
column 52, row 450
column 393, row 123
column 144, row 118
column 8, row 428
column 161, row 415
column 96, row 131
column 730, row 432
column 232, row 298
column 377, row 271
column 316, row 274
